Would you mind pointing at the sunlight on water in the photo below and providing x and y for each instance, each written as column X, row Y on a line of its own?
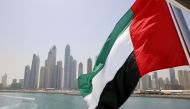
column 18, row 97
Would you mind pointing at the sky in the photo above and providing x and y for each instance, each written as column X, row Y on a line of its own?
column 34, row 26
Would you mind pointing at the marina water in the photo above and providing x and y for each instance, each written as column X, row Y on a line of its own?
column 61, row 101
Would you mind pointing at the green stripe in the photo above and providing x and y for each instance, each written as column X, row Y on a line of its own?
column 85, row 80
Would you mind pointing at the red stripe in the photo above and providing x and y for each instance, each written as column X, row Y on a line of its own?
column 155, row 39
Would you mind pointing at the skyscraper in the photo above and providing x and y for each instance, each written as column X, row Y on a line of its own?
column 42, row 78
column 142, row 83
column 80, row 69
column 74, row 74
column 70, row 74
column 45, row 74
column 155, row 81
column 51, row 63
column 58, row 75
column 145, row 83
column 89, row 65
column 27, row 76
column 172, row 76
column 66, row 67
column 34, row 72
column 167, row 81
column 148, row 82
column 161, row 83
column 184, row 79
column 4, row 80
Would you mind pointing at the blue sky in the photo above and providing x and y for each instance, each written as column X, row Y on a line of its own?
column 34, row 26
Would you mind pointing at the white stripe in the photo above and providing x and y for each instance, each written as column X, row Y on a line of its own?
column 120, row 51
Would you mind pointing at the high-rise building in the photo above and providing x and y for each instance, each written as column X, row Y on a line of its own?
column 89, row 65
column 42, row 78
column 4, row 80
column 34, row 72
column 70, row 74
column 145, row 83
column 58, row 76
column 148, row 82
column 70, row 66
column 155, row 81
column 142, row 83
column 80, row 69
column 27, row 76
column 74, row 75
column 184, row 79
column 51, row 63
column 67, row 67
column 167, row 81
column 172, row 76
column 46, row 75
column 161, row 84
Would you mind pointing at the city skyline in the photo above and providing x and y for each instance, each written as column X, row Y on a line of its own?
column 29, row 27
column 146, row 83
column 53, row 74
column 84, row 65
column 41, row 66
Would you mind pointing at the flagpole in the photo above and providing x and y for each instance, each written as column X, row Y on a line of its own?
column 179, row 31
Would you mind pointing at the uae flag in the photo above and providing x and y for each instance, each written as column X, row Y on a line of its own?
column 144, row 40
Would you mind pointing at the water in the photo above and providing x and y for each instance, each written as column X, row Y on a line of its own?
column 61, row 101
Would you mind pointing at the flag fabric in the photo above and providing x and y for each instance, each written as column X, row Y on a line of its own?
column 144, row 40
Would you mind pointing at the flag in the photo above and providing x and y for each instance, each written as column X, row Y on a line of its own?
column 144, row 40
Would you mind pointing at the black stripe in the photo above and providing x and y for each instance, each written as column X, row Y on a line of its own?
column 117, row 91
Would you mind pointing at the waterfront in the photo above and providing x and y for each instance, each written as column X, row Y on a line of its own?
column 61, row 101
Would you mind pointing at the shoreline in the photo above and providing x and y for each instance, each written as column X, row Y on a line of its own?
column 76, row 93
column 171, row 96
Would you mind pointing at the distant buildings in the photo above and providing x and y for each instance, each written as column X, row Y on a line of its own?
column 21, row 82
column 80, row 69
column 172, row 76
column 58, row 76
column 33, row 78
column 30, row 80
column 155, row 81
column 161, row 84
column 89, row 65
column 17, row 85
column 145, row 83
column 4, row 81
column 73, row 75
column 50, row 72
column 54, row 76
column 27, row 76
column 70, row 68
column 184, row 79
column 171, row 83
column 42, row 78
column 67, row 64
column 51, row 75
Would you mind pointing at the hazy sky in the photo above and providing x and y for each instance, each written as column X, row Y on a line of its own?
column 34, row 26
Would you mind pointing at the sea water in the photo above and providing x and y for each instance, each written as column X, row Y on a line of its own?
column 61, row 101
